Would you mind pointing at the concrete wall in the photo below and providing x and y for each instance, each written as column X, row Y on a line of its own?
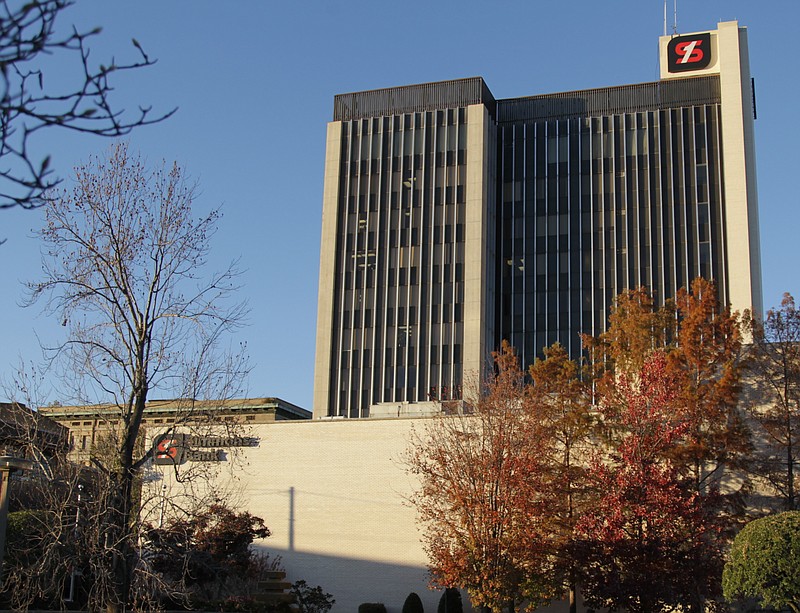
column 334, row 495
column 478, row 273
column 730, row 60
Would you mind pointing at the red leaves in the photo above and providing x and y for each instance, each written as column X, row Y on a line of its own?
column 647, row 412
column 643, row 519
column 649, row 522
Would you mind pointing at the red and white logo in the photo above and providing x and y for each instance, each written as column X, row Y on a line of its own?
column 169, row 449
column 685, row 53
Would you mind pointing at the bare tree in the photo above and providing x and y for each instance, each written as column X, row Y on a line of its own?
column 774, row 365
column 122, row 270
column 29, row 33
column 57, row 532
column 43, row 538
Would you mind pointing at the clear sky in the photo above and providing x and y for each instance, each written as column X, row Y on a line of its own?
column 254, row 85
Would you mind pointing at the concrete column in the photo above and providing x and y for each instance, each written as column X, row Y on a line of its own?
column 478, row 271
column 327, row 269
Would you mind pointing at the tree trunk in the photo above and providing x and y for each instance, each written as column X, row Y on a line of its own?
column 118, row 535
column 573, row 590
column 789, row 448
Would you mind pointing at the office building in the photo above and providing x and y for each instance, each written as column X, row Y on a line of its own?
column 453, row 220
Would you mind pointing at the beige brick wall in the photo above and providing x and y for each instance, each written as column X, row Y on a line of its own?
column 334, row 494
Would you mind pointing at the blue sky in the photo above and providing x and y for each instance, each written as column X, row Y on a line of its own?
column 254, row 85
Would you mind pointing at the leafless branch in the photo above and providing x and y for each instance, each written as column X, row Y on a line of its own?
column 122, row 269
column 28, row 34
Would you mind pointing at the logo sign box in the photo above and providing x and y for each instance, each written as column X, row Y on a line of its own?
column 686, row 53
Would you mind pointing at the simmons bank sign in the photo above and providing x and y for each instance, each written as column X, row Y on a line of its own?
column 174, row 449
column 690, row 52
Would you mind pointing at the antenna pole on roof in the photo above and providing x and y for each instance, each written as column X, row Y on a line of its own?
column 665, row 17
column 675, row 16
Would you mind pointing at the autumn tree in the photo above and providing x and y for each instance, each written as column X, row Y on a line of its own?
column 30, row 32
column 123, row 261
column 560, row 396
column 637, row 327
column 702, row 339
column 211, row 542
column 764, row 562
column 480, row 476
column 774, row 366
column 707, row 360
column 650, row 542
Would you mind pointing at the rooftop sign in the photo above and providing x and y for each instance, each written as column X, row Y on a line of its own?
column 691, row 52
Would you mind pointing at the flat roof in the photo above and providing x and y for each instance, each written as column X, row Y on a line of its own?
column 171, row 406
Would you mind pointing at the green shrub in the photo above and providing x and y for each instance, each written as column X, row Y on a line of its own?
column 763, row 562
column 450, row 602
column 413, row 604
column 371, row 607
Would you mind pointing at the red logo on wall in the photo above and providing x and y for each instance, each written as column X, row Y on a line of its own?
column 169, row 449
column 685, row 53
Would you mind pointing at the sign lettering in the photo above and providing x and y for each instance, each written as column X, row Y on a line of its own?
column 174, row 449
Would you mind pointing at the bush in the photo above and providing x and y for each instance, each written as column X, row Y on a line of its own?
column 35, row 549
column 413, row 604
column 450, row 602
column 371, row 607
column 312, row 599
column 763, row 562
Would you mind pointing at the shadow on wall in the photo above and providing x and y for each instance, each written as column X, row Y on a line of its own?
column 352, row 582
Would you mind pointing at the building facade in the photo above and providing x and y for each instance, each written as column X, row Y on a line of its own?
column 452, row 221
column 87, row 425
column 29, row 434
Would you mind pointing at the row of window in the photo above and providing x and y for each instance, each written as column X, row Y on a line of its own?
column 626, row 195
column 401, row 228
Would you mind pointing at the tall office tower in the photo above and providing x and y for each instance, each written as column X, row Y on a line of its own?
column 452, row 220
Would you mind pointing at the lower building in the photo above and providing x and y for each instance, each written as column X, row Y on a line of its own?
column 335, row 496
column 29, row 434
column 87, row 424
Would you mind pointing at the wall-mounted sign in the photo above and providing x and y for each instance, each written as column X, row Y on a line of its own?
column 692, row 52
column 174, row 449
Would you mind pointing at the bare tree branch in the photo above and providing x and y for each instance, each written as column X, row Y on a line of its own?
column 123, row 262
column 28, row 34
column 774, row 364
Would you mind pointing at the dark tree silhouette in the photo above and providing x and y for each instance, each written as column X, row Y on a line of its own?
column 29, row 33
